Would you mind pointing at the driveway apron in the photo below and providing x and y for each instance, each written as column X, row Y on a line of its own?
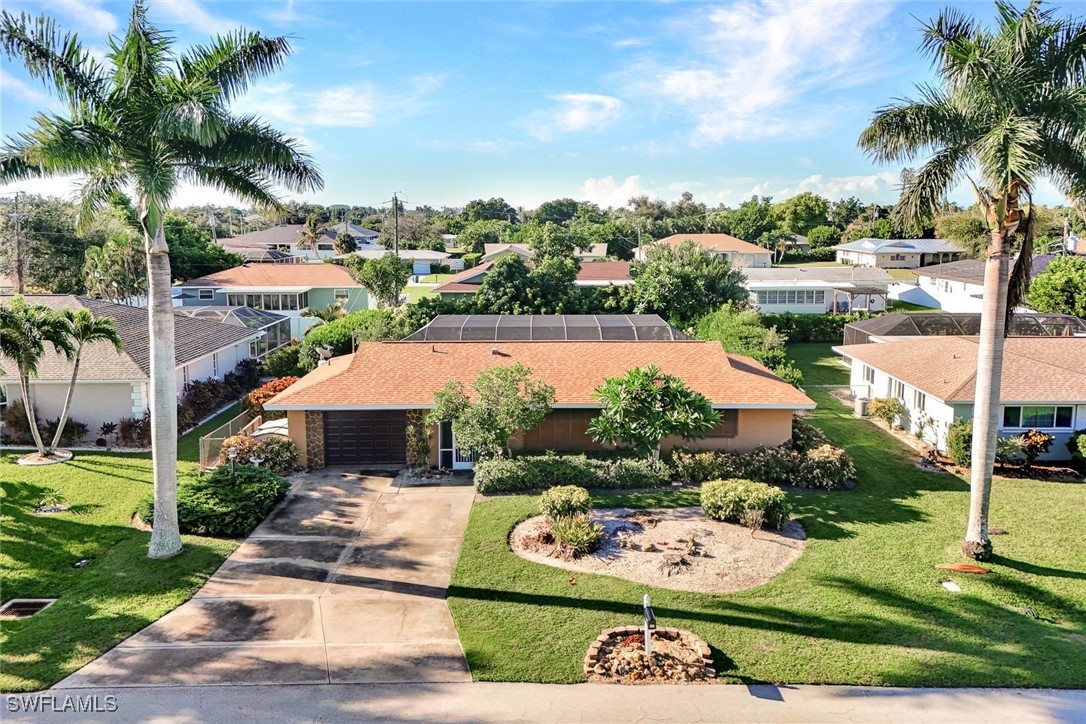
column 344, row 582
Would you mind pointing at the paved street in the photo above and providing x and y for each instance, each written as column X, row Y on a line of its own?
column 343, row 583
column 581, row 703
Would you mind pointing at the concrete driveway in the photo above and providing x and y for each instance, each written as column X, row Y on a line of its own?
column 344, row 582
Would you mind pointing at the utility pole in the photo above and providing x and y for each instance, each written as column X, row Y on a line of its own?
column 396, row 224
column 1065, row 249
column 17, row 255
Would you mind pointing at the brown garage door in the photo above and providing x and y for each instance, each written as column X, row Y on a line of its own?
column 365, row 437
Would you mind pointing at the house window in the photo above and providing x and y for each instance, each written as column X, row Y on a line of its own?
column 869, row 375
column 185, row 374
column 897, row 389
column 303, row 300
column 325, row 247
column 919, row 400
column 3, row 400
column 215, row 364
column 1039, row 417
column 341, row 295
column 728, row 425
column 206, row 295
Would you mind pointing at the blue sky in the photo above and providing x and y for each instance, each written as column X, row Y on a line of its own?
column 447, row 102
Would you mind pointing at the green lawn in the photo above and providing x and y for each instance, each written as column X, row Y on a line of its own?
column 863, row 605
column 435, row 278
column 820, row 366
column 908, row 275
column 896, row 305
column 811, row 264
column 119, row 592
column 415, row 292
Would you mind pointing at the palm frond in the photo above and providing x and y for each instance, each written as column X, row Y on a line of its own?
column 140, row 56
column 1009, row 152
column 240, row 181
column 1018, row 284
column 232, row 61
column 61, row 145
column 926, row 191
column 905, row 130
column 190, row 110
column 58, row 59
column 96, row 192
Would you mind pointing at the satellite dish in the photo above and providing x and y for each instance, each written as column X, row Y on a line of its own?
column 325, row 352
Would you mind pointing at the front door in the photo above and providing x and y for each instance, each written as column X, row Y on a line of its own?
column 449, row 456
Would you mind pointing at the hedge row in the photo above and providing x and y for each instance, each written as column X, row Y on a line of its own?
column 824, row 466
column 539, row 472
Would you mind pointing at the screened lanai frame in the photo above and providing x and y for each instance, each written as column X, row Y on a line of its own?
column 547, row 328
column 935, row 324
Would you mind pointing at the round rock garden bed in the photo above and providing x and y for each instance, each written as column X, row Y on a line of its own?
column 618, row 656
column 676, row 548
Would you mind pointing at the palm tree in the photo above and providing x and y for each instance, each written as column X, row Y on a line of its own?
column 147, row 118
column 328, row 314
column 1009, row 111
column 85, row 329
column 25, row 330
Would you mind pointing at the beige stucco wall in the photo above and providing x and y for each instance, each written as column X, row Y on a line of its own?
column 755, row 428
column 296, row 431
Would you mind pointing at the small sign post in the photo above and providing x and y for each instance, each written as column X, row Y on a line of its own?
column 650, row 624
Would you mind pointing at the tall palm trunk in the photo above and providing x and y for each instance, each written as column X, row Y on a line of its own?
column 986, row 398
column 67, row 400
column 165, row 535
column 28, row 404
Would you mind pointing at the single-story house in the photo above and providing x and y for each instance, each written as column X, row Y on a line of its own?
column 355, row 409
column 422, row 260
column 739, row 253
column 262, row 255
column 958, row 286
column 274, row 327
column 492, row 252
column 817, row 290
column 897, row 253
column 798, row 243
column 288, row 289
column 286, row 238
column 113, row 384
column 892, row 327
column 591, row 274
column 1043, row 383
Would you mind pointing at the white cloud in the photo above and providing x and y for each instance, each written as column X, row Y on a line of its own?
column 14, row 87
column 192, row 14
column 608, row 192
column 629, row 43
column 576, row 112
column 87, row 14
column 876, row 185
column 763, row 69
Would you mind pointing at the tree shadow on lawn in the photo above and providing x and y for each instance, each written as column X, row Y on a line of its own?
column 1036, row 570
column 962, row 627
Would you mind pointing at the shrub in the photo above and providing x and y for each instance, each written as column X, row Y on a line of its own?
column 798, row 328
column 741, row 501
column 959, row 442
column 539, row 472
column 633, row 473
column 1034, row 444
column 134, row 432
column 365, row 325
column 887, row 409
column 577, row 534
column 826, row 467
column 471, row 260
column 278, row 454
column 1008, row 450
column 246, row 449
column 256, row 399
column 697, row 466
column 771, row 465
column 224, row 504
column 563, row 501
column 1076, row 445
column 284, row 362
column 806, row 436
column 16, row 424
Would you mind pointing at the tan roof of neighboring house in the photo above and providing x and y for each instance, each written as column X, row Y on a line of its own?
column 714, row 242
column 604, row 271
column 194, row 338
column 596, row 251
column 407, row 374
column 277, row 275
column 1035, row 369
column 461, row 281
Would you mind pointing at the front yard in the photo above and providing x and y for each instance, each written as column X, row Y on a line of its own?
column 119, row 592
column 862, row 605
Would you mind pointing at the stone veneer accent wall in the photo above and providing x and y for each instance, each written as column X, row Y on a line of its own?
column 314, row 439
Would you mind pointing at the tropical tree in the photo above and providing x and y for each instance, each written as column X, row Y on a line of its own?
column 345, row 243
column 328, row 314
column 683, row 283
column 384, row 277
column 1061, row 288
column 25, row 330
column 146, row 118
column 85, row 329
column 117, row 270
column 644, row 406
column 1008, row 111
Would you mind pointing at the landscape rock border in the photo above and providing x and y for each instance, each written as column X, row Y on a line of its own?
column 689, row 638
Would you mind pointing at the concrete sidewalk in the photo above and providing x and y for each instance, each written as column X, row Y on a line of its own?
column 483, row 702
column 344, row 582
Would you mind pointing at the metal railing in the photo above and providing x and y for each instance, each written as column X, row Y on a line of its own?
column 211, row 443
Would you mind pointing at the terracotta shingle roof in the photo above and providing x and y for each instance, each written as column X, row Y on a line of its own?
column 714, row 242
column 407, row 374
column 592, row 271
column 268, row 276
column 459, row 282
column 1035, row 369
column 194, row 338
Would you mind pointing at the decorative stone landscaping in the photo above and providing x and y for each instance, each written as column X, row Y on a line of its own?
column 618, row 656
column 676, row 548
column 34, row 458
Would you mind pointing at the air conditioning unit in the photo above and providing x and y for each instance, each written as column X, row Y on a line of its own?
column 861, row 406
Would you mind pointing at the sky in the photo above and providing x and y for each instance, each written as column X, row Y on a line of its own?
column 446, row 102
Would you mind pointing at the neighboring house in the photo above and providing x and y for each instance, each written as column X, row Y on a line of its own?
column 288, row 289
column 422, row 260
column 892, row 327
column 355, row 409
column 739, row 253
column 959, row 286
column 798, row 243
column 897, row 253
column 274, row 328
column 288, row 238
column 1043, row 383
column 113, row 384
column 493, row 252
column 817, row 290
column 591, row 274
